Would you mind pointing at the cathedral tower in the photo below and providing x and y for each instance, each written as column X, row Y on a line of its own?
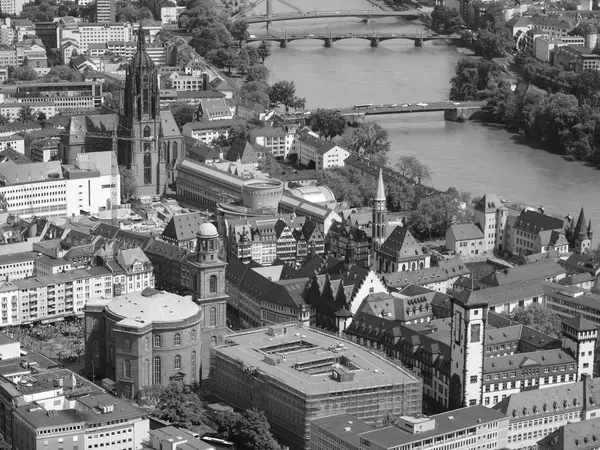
column 141, row 121
column 380, row 220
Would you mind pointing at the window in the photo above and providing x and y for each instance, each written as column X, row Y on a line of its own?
column 177, row 362
column 213, row 284
column 177, row 340
column 127, row 369
column 95, row 324
column 174, row 151
column 475, row 332
column 157, row 341
column 474, row 379
column 212, row 317
column 194, row 366
column 127, row 345
column 193, row 335
column 147, row 131
column 146, row 343
column 147, row 168
column 472, row 402
column 157, row 369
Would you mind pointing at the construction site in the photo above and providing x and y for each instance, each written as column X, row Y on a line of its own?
column 296, row 374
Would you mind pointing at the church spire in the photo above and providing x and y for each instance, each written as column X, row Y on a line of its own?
column 380, row 196
column 581, row 223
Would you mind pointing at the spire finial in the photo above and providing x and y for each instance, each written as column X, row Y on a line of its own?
column 380, row 196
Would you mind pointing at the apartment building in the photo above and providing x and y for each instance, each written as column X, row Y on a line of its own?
column 279, row 140
column 105, row 11
column 581, row 435
column 208, row 132
column 315, row 153
column 86, row 33
column 568, row 301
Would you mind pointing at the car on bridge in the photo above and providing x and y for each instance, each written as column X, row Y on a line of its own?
column 421, row 104
column 395, row 105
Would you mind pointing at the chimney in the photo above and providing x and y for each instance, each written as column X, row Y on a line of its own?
column 541, row 209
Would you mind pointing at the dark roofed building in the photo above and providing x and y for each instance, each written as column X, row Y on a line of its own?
column 242, row 151
column 182, row 229
column 547, row 270
column 401, row 252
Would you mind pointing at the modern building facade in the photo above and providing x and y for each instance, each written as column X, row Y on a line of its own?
column 277, row 369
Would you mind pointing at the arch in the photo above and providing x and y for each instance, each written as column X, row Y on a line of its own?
column 212, row 317
column 212, row 285
column 177, row 362
column 157, row 370
column 164, row 151
column 175, row 149
column 147, row 131
column 213, row 341
column 146, row 343
column 127, row 369
column 146, row 94
column 147, row 168
column 157, row 340
column 403, row 267
column 414, row 266
column 193, row 335
column 421, row 265
column 177, row 340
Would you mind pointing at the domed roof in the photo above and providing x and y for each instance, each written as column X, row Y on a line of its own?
column 207, row 230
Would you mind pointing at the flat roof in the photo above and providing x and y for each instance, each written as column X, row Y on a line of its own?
column 18, row 257
column 344, row 426
column 138, row 310
column 447, row 422
column 369, row 369
column 15, row 365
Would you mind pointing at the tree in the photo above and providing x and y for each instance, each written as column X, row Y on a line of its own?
column 490, row 44
column 239, row 31
column 41, row 11
column 183, row 115
column 242, row 62
column 436, row 214
column 213, row 37
column 22, row 73
column 126, row 12
column 152, row 395
column 264, row 50
column 412, row 168
column 3, row 444
column 583, row 29
column 249, row 430
column 180, row 409
column 41, row 116
column 128, row 184
column 284, row 93
column 446, row 20
column 66, row 73
column 26, row 114
column 327, row 123
column 269, row 165
column 473, row 79
column 88, row 12
column 223, row 58
column 369, row 138
column 256, row 91
column 257, row 72
column 542, row 319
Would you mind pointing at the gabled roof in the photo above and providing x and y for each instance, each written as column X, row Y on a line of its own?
column 401, row 241
column 465, row 231
column 537, row 358
column 183, row 227
column 241, row 150
column 543, row 269
column 583, row 435
column 536, row 221
column 489, row 203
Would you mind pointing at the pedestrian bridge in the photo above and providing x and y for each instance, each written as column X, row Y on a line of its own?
column 374, row 39
column 365, row 14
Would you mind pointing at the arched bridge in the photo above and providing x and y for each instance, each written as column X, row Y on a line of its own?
column 365, row 14
column 375, row 39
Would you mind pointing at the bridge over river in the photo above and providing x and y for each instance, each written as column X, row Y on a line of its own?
column 453, row 111
column 365, row 14
column 374, row 38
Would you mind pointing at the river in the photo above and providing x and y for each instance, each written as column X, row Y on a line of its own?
column 471, row 157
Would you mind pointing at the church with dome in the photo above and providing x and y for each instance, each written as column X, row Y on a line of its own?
column 152, row 143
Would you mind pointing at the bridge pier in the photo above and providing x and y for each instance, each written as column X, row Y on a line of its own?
column 283, row 43
column 328, row 42
column 459, row 115
column 374, row 42
column 419, row 42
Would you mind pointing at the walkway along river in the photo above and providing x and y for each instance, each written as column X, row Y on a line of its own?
column 469, row 156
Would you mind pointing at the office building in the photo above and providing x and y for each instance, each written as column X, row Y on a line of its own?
column 305, row 374
column 470, row 428
column 66, row 95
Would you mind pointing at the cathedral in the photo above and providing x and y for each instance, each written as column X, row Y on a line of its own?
column 150, row 143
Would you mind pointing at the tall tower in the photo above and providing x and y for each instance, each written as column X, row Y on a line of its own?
column 207, row 285
column 579, row 336
column 380, row 220
column 469, row 317
column 141, row 120
column 485, row 218
column 105, row 11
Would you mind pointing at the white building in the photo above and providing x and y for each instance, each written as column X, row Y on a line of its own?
column 14, row 142
column 17, row 266
column 169, row 13
column 12, row 109
column 95, row 33
column 312, row 150
column 206, row 132
column 11, row 7
column 277, row 139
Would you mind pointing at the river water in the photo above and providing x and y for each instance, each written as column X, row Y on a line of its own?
column 471, row 157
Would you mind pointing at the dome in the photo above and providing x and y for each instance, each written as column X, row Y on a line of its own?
column 208, row 230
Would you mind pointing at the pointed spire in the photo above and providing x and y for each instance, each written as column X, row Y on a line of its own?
column 581, row 223
column 590, row 226
column 380, row 196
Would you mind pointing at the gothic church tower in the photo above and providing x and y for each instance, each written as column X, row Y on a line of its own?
column 380, row 220
column 141, row 121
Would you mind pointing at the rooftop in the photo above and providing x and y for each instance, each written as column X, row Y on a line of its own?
column 546, row 268
column 448, row 422
column 344, row 426
column 150, row 306
column 308, row 357
column 579, row 435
